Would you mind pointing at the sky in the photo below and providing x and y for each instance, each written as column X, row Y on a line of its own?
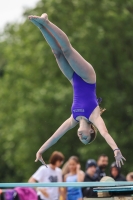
column 11, row 10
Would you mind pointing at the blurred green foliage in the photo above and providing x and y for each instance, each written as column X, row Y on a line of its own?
column 35, row 97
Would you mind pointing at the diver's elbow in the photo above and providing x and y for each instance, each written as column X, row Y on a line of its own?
column 55, row 140
column 104, row 134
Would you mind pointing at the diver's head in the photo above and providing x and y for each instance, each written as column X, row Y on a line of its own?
column 86, row 132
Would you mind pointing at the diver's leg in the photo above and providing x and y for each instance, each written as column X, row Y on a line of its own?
column 76, row 61
column 60, row 58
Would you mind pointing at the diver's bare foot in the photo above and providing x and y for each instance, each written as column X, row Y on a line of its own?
column 41, row 20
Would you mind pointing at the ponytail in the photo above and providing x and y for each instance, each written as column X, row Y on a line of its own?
column 101, row 109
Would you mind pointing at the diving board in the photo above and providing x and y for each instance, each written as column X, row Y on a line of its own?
column 67, row 184
column 114, row 189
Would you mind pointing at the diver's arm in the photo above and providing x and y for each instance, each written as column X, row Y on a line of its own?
column 97, row 120
column 67, row 125
column 99, row 123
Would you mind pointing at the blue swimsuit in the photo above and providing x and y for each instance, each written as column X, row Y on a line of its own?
column 84, row 97
column 73, row 193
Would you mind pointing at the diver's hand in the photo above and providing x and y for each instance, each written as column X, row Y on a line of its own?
column 39, row 157
column 119, row 158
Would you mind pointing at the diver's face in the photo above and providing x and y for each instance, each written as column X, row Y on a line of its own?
column 84, row 133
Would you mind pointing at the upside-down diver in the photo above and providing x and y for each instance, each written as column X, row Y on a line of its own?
column 85, row 108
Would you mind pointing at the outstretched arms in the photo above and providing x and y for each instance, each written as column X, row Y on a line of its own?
column 99, row 123
column 67, row 125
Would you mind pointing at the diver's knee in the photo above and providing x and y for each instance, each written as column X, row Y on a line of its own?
column 57, row 53
column 67, row 50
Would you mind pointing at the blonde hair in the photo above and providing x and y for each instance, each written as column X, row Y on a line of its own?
column 99, row 102
column 65, row 169
column 75, row 158
column 102, row 110
column 93, row 135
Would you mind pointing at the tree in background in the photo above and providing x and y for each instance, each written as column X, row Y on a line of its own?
column 36, row 98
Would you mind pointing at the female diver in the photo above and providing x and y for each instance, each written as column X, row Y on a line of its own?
column 85, row 109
